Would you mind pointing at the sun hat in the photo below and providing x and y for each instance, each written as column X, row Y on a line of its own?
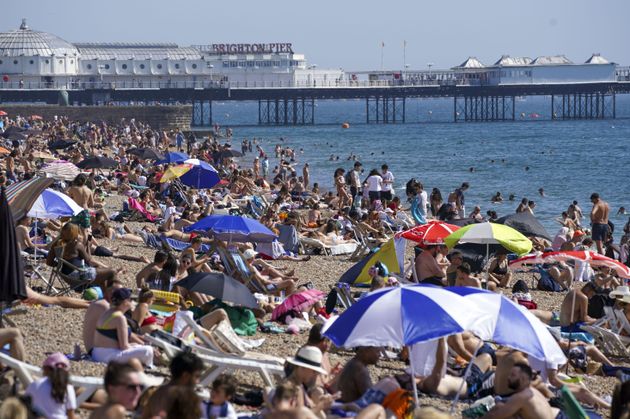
column 57, row 360
column 620, row 292
column 625, row 299
column 308, row 357
column 249, row 254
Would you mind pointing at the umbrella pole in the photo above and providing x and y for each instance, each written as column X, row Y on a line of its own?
column 466, row 373
column 487, row 275
column 413, row 378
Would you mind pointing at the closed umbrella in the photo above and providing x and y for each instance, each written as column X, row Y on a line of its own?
column 297, row 302
column 219, row 285
column 54, row 204
column 434, row 232
column 146, row 153
column 12, row 285
column 97, row 162
column 233, row 228
column 173, row 157
column 22, row 195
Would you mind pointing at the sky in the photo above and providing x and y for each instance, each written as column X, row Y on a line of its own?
column 349, row 34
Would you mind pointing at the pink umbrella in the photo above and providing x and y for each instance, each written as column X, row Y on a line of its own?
column 593, row 258
column 298, row 302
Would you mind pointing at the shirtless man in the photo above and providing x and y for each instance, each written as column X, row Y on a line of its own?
column 81, row 194
column 24, row 239
column 570, row 321
column 152, row 268
column 354, row 380
column 599, row 221
column 463, row 278
column 427, row 267
column 442, row 384
column 526, row 402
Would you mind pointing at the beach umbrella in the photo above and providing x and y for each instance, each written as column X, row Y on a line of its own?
column 297, row 302
column 54, row 204
column 491, row 233
column 227, row 153
column 434, row 232
column 403, row 316
column 173, row 157
column 61, row 144
column 36, row 118
column 175, row 172
column 42, row 155
column 61, row 170
column 16, row 136
column 4, row 151
column 512, row 325
column 593, row 258
column 3, row 113
column 233, row 228
column 97, row 162
column 12, row 285
column 22, row 195
column 12, row 130
column 200, row 176
column 219, row 285
column 526, row 224
column 146, row 153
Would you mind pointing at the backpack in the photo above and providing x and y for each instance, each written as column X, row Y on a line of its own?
column 520, row 286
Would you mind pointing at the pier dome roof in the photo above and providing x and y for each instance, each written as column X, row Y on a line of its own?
column 27, row 42
column 596, row 58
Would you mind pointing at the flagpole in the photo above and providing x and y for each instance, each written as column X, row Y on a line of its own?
column 382, row 53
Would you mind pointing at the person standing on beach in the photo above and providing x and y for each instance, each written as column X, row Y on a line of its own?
column 256, row 168
column 355, row 182
column 419, row 204
column 599, row 221
column 306, row 175
column 388, row 185
column 457, row 197
column 265, row 166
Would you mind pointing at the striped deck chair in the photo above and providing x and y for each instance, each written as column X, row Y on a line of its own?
column 179, row 246
column 134, row 205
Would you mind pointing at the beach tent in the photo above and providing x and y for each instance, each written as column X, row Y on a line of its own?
column 387, row 254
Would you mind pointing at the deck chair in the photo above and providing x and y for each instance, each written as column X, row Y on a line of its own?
column 66, row 284
column 27, row 373
column 240, row 346
column 610, row 343
column 622, row 322
column 217, row 363
column 309, row 243
column 572, row 408
column 135, row 205
column 171, row 245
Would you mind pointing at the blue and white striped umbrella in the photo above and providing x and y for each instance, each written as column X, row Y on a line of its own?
column 52, row 204
column 405, row 315
column 512, row 325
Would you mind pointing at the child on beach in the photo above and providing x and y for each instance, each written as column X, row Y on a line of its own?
column 219, row 407
column 52, row 394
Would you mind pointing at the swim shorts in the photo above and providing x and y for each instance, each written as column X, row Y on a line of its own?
column 480, row 384
column 600, row 231
column 386, row 195
column 433, row 280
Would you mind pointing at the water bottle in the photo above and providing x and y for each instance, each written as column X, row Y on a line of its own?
column 82, row 264
column 77, row 352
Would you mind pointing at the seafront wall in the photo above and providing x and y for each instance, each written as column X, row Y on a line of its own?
column 158, row 117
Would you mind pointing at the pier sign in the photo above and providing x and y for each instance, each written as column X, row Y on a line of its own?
column 252, row 48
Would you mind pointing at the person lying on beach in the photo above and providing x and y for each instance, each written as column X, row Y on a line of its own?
column 273, row 284
column 102, row 228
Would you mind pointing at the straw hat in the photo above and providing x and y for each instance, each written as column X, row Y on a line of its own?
column 620, row 292
column 308, row 357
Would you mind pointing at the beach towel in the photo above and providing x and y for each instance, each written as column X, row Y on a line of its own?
column 242, row 320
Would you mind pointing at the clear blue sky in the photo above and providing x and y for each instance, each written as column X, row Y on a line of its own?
column 348, row 34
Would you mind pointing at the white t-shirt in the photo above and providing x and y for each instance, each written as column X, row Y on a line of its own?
column 387, row 177
column 40, row 390
column 215, row 411
column 375, row 183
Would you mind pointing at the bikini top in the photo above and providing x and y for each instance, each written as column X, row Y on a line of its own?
column 111, row 333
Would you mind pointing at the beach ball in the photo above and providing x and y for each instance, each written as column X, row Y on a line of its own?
column 93, row 294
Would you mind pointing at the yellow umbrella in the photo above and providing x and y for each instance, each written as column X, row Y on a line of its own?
column 175, row 172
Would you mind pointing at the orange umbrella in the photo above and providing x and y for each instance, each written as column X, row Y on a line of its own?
column 3, row 113
column 4, row 151
column 36, row 118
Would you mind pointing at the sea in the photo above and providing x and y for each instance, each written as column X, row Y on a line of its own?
column 569, row 159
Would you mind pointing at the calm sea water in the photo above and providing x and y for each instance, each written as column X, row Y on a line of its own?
column 569, row 159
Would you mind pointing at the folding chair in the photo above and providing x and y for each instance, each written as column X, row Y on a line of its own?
column 66, row 283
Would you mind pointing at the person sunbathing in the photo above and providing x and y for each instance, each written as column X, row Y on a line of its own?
column 23, row 238
column 152, row 268
column 605, row 279
column 272, row 285
column 112, row 333
column 574, row 308
column 498, row 271
column 83, row 265
column 102, row 228
column 197, row 264
column 13, row 337
column 141, row 314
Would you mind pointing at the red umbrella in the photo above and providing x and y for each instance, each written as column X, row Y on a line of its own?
column 298, row 302
column 433, row 232
column 3, row 113
column 593, row 258
column 36, row 118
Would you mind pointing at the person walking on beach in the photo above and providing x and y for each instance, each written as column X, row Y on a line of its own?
column 599, row 221
column 388, row 185
column 306, row 175
column 355, row 182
